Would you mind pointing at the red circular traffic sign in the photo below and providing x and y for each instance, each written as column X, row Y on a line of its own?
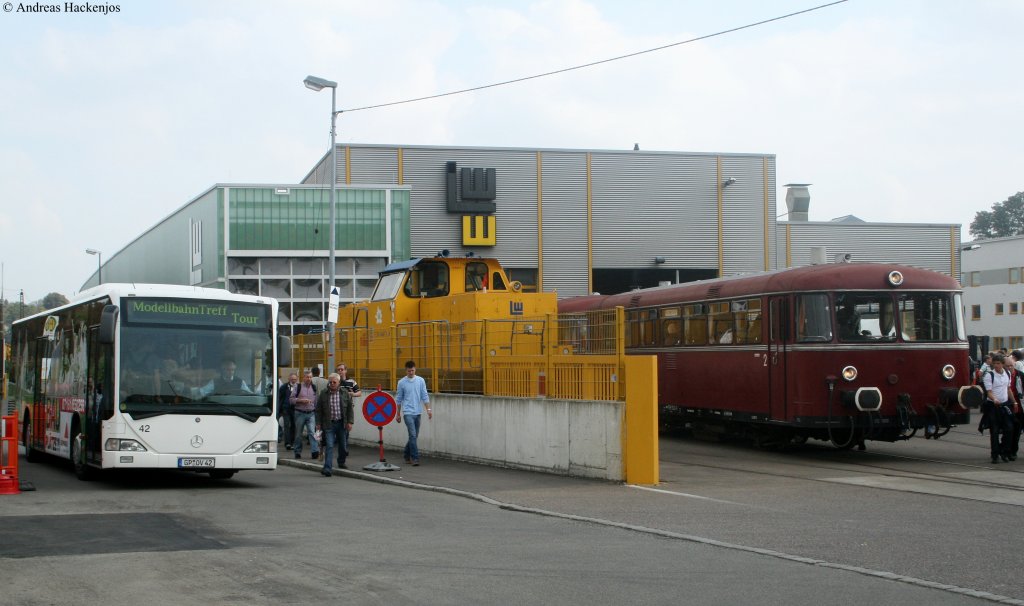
column 379, row 408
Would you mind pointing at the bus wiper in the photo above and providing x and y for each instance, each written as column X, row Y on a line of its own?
column 146, row 415
column 245, row 416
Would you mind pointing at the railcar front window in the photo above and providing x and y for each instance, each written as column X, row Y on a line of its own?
column 864, row 317
column 958, row 309
column 926, row 317
column 813, row 319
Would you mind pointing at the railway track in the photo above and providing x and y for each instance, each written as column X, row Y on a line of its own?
column 961, row 468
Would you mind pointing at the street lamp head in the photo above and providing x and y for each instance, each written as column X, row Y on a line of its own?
column 92, row 251
column 314, row 83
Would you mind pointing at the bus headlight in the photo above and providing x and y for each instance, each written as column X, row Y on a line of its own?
column 260, row 447
column 849, row 373
column 948, row 372
column 123, row 445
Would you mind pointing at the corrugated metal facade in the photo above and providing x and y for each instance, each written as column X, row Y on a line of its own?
column 643, row 205
column 929, row 246
column 564, row 198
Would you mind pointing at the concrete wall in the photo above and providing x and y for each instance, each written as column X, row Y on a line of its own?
column 568, row 437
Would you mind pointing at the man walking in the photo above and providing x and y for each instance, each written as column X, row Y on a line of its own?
column 998, row 408
column 411, row 397
column 353, row 390
column 286, row 409
column 334, row 414
column 304, row 401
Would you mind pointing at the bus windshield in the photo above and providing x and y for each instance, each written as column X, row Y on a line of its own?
column 173, row 366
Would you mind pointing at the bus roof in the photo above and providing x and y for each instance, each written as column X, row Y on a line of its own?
column 118, row 291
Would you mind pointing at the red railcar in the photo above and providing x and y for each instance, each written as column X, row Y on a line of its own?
column 844, row 352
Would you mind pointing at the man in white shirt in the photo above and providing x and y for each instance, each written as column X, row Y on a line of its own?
column 998, row 408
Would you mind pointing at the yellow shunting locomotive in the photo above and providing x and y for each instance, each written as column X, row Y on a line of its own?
column 452, row 316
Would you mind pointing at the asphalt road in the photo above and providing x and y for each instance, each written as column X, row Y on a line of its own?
column 730, row 524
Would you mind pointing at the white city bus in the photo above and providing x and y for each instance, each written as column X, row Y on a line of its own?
column 131, row 376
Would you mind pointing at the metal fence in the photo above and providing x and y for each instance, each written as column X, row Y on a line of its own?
column 567, row 356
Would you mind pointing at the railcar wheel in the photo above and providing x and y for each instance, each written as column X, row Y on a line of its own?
column 31, row 455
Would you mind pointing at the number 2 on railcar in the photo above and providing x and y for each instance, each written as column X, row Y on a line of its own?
column 845, row 352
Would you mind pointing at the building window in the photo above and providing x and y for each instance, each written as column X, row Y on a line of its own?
column 997, row 343
column 1016, row 342
column 999, row 309
column 975, row 312
column 1014, row 275
column 1014, row 308
column 975, row 278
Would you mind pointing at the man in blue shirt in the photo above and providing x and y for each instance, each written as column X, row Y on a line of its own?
column 411, row 398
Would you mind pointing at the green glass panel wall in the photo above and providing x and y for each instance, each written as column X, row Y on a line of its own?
column 261, row 219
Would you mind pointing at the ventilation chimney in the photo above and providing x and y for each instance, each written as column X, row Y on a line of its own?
column 819, row 255
column 798, row 199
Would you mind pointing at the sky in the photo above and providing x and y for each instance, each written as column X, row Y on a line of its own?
column 908, row 111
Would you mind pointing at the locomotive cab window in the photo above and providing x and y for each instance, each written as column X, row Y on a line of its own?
column 388, row 287
column 428, row 279
column 865, row 317
column 476, row 277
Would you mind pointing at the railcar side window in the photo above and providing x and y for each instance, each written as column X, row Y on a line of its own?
column 926, row 317
column 671, row 327
column 695, row 324
column 813, row 318
column 865, row 316
column 748, row 320
column 722, row 329
column 640, row 328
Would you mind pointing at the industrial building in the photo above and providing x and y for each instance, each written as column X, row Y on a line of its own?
column 563, row 220
column 994, row 291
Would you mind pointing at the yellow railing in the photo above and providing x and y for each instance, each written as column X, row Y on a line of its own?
column 573, row 356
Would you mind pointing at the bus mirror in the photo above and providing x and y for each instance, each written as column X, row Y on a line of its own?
column 108, row 319
column 284, row 351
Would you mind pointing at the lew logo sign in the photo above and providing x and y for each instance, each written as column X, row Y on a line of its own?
column 471, row 193
column 515, row 308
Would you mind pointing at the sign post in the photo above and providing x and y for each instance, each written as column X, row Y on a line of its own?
column 379, row 409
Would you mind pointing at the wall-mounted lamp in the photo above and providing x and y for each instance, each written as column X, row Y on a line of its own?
column 728, row 182
column 659, row 260
column 971, row 247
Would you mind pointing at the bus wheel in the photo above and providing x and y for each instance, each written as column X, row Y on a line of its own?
column 83, row 471
column 31, row 455
column 222, row 474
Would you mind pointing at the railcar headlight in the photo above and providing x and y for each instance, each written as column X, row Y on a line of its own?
column 948, row 372
column 895, row 278
column 849, row 373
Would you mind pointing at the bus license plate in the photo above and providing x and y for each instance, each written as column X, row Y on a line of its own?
column 192, row 462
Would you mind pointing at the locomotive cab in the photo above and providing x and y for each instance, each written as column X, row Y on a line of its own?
column 447, row 314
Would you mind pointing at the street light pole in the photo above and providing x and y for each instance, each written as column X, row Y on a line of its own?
column 99, row 264
column 317, row 84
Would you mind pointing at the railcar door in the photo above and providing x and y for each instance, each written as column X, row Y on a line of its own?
column 778, row 339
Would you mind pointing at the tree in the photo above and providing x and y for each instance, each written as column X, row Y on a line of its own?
column 54, row 299
column 1005, row 219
